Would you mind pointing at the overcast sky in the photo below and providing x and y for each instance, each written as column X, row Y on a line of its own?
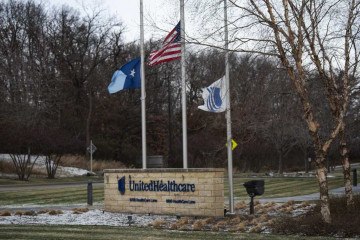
column 164, row 12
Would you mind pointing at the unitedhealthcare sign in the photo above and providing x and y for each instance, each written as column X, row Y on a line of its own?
column 187, row 192
column 155, row 186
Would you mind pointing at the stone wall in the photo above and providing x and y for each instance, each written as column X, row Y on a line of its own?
column 193, row 192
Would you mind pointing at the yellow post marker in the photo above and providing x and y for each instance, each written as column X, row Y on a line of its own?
column 233, row 144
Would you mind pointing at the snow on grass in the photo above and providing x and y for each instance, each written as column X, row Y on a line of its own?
column 77, row 214
column 91, row 217
column 71, row 171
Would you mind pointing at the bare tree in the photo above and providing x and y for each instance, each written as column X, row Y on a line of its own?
column 80, row 46
column 24, row 164
column 20, row 34
column 51, row 163
column 309, row 36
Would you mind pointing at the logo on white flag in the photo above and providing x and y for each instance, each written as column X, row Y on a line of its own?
column 214, row 97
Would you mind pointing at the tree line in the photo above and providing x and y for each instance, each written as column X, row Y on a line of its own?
column 57, row 64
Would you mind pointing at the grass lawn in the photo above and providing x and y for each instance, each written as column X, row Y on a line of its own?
column 282, row 187
column 69, row 195
column 46, row 194
column 44, row 180
column 48, row 232
column 274, row 187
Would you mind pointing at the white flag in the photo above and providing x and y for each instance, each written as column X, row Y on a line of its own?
column 215, row 97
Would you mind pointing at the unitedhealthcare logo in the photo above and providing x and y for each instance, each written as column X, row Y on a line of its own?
column 215, row 96
column 214, row 101
column 121, row 185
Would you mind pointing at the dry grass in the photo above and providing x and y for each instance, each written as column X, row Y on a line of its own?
column 158, row 223
column 215, row 228
column 269, row 204
column 289, row 203
column 81, row 161
column 19, row 213
column 80, row 210
column 174, row 226
column 198, row 225
column 5, row 214
column 271, row 222
column 241, row 227
column 38, row 172
column 258, row 207
column 264, row 218
column 256, row 228
column 240, row 205
column 255, row 221
column 345, row 221
column 305, row 204
column 29, row 213
column 209, row 220
column 184, row 228
column 289, row 209
column 77, row 161
column 43, row 211
column 262, row 210
column 7, row 167
column 221, row 224
column 55, row 212
column 183, row 221
column 74, row 161
column 235, row 220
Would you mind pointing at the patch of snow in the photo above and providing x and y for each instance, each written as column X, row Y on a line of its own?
column 298, row 211
column 39, row 159
column 40, row 166
column 71, row 215
column 92, row 217
column 5, row 157
column 70, row 171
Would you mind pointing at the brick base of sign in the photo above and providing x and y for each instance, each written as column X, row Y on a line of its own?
column 184, row 192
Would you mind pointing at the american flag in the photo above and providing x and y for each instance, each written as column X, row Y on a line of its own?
column 170, row 50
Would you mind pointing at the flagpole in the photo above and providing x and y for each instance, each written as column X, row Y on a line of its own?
column 228, row 114
column 143, row 94
column 183, row 85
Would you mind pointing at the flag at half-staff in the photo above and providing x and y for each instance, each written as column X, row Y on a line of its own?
column 170, row 49
column 127, row 77
column 215, row 96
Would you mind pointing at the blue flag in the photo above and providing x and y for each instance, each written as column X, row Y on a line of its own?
column 215, row 97
column 128, row 76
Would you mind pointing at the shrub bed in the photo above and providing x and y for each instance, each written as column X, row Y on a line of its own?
column 345, row 221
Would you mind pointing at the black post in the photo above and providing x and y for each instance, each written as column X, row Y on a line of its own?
column 252, row 205
column 89, row 194
column 354, row 177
